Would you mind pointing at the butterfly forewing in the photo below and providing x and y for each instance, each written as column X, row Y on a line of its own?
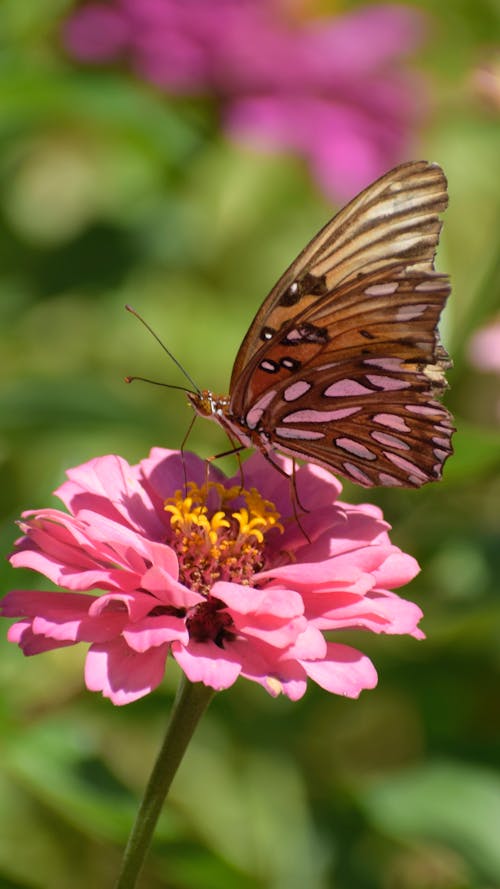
column 375, row 316
column 392, row 222
column 342, row 363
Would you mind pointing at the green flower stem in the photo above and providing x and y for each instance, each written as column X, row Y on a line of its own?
column 191, row 701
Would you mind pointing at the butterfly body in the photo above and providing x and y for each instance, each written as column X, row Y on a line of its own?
column 342, row 364
column 217, row 407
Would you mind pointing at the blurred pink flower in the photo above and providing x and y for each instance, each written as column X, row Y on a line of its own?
column 332, row 90
column 223, row 579
column 484, row 81
column 484, row 348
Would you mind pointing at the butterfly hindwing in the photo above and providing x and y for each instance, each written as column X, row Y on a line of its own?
column 393, row 442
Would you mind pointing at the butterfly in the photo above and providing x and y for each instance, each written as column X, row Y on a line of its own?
column 342, row 364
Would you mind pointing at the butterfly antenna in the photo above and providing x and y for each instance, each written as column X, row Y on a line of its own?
column 157, row 383
column 168, row 352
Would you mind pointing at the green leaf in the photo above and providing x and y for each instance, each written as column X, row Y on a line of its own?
column 445, row 801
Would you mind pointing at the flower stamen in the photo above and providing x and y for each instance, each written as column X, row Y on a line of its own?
column 219, row 543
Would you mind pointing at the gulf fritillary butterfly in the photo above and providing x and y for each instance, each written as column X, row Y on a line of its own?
column 342, row 363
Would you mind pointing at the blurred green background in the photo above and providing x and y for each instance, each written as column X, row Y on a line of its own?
column 110, row 192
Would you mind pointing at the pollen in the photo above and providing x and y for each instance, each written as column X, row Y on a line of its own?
column 216, row 541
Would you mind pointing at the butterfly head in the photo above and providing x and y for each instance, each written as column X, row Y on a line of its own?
column 206, row 404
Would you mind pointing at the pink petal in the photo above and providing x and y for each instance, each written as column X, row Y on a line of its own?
column 167, row 590
column 76, row 578
column 310, row 645
column 162, row 557
column 276, row 674
column 154, row 631
column 22, row 634
column 262, row 664
column 358, row 525
column 316, row 486
column 205, row 662
column 30, row 603
column 162, row 473
column 121, row 674
column 345, row 671
column 351, row 569
column 293, row 686
column 135, row 606
column 272, row 602
column 110, row 487
column 113, row 540
column 397, row 569
column 399, row 616
column 85, row 630
column 60, row 547
column 278, row 636
column 312, row 576
column 380, row 612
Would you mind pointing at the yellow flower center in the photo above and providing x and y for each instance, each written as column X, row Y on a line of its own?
column 214, row 542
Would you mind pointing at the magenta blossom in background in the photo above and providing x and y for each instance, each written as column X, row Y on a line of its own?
column 484, row 353
column 223, row 579
column 335, row 91
column 484, row 348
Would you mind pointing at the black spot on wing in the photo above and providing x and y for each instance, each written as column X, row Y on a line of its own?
column 317, row 286
column 270, row 367
column 290, row 364
column 291, row 296
column 306, row 333
column 310, row 284
column 267, row 333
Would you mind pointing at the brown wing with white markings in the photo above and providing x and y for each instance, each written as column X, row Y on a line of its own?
column 393, row 221
column 342, row 365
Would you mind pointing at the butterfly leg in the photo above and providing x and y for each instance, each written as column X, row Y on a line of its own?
column 294, row 488
column 234, row 450
column 291, row 478
column 182, row 449
column 296, row 504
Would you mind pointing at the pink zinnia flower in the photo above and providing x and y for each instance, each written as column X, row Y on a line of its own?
column 332, row 90
column 220, row 577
